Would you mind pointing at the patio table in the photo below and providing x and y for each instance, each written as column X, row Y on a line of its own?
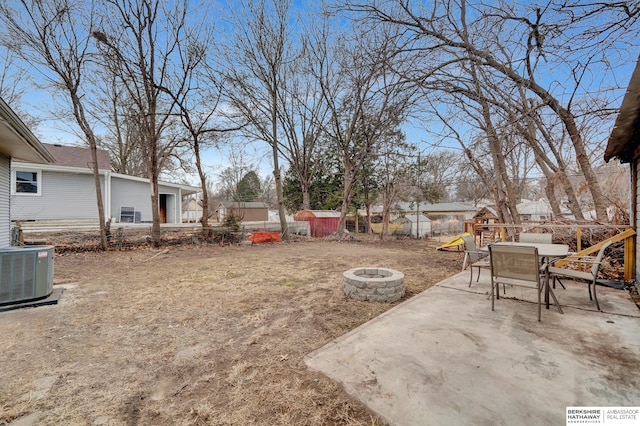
column 545, row 251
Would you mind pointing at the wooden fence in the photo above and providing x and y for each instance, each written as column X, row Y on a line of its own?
column 565, row 233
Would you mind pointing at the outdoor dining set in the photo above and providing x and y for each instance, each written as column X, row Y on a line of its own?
column 534, row 262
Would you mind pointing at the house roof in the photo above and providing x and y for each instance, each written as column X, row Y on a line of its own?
column 244, row 205
column 185, row 189
column 17, row 141
column 533, row 207
column 187, row 201
column 438, row 207
column 486, row 211
column 324, row 213
column 77, row 156
column 419, row 218
column 624, row 141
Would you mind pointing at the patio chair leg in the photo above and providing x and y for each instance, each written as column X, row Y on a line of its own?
column 555, row 300
column 595, row 296
column 560, row 281
column 471, row 277
column 589, row 287
column 493, row 295
column 539, row 304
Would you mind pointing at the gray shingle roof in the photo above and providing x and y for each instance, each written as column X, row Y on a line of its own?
column 77, row 156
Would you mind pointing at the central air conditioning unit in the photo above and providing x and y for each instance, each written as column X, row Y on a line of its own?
column 26, row 273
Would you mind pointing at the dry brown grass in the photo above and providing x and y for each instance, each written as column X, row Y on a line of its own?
column 198, row 335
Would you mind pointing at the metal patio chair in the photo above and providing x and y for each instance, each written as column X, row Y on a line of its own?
column 515, row 266
column 589, row 276
column 476, row 258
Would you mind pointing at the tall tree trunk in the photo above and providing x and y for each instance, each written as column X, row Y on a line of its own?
column 274, row 150
column 203, row 184
column 529, row 133
column 385, row 219
column 560, row 171
column 485, row 57
column 348, row 180
column 306, row 197
column 507, row 200
column 154, row 171
column 155, row 214
column 78, row 111
column 567, row 118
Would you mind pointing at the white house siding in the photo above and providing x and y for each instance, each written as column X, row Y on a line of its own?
column 63, row 196
column 129, row 193
column 136, row 194
column 5, row 191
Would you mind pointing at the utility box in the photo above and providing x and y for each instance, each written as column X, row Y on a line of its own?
column 26, row 273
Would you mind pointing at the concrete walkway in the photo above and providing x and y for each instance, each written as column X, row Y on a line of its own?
column 444, row 358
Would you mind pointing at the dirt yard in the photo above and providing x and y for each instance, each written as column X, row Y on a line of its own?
column 197, row 334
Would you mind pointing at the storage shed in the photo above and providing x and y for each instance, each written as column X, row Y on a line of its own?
column 321, row 222
column 252, row 211
column 414, row 225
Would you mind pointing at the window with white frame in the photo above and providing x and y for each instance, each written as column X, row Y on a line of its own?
column 27, row 182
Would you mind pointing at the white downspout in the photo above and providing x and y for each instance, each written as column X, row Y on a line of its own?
column 107, row 195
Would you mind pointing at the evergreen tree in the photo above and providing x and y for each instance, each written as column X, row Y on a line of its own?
column 249, row 188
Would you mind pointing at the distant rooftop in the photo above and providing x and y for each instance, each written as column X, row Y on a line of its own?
column 244, row 204
column 439, row 207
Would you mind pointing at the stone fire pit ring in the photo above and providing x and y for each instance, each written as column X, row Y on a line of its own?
column 373, row 284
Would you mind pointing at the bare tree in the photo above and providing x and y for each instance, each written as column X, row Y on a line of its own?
column 256, row 58
column 394, row 173
column 229, row 178
column 363, row 98
column 303, row 115
column 117, row 114
column 471, row 188
column 56, row 37
column 11, row 75
column 197, row 95
column 140, row 41
column 490, row 40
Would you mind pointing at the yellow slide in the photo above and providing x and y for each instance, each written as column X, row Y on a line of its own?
column 455, row 242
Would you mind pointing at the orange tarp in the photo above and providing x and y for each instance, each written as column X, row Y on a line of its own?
column 265, row 237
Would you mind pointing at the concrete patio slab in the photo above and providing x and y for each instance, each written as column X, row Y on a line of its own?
column 444, row 358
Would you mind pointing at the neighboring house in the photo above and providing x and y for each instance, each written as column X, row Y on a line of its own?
column 538, row 211
column 18, row 143
column 374, row 210
column 191, row 209
column 252, row 211
column 65, row 190
column 624, row 144
column 534, row 210
column 446, row 218
column 441, row 211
